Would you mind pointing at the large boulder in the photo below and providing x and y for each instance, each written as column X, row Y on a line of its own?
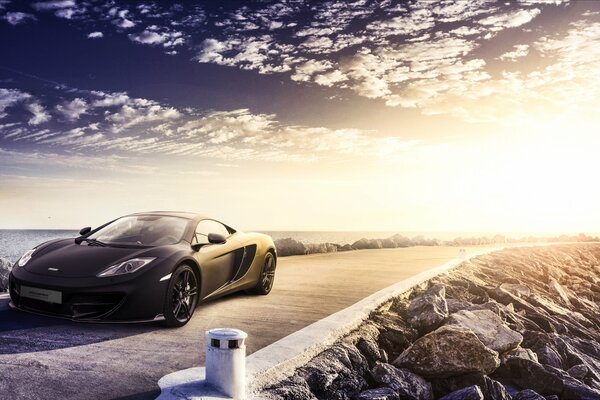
column 428, row 310
column 364, row 243
column 337, row 372
column 468, row 393
column 408, row 385
column 289, row 247
column 489, row 328
column 448, row 351
column 5, row 267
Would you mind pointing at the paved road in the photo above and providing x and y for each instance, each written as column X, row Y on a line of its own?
column 53, row 359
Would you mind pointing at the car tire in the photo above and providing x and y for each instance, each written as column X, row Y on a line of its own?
column 182, row 297
column 267, row 276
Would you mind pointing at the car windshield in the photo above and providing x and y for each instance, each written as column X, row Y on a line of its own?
column 143, row 230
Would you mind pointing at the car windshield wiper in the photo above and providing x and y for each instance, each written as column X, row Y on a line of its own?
column 91, row 242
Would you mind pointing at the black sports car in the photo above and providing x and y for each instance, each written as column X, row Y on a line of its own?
column 154, row 266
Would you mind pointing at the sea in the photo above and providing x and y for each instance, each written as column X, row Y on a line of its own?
column 15, row 242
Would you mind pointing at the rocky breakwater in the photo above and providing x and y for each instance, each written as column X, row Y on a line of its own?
column 5, row 267
column 521, row 324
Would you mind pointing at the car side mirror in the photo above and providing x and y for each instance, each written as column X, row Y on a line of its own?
column 85, row 231
column 216, row 238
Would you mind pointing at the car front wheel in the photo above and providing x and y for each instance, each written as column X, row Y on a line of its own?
column 182, row 297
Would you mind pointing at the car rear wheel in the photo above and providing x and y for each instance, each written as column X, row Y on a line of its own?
column 267, row 276
column 182, row 297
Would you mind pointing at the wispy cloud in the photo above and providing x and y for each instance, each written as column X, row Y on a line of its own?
column 16, row 17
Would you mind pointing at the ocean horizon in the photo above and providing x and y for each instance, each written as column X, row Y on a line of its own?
column 14, row 242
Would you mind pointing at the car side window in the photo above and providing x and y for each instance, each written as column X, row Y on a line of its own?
column 207, row 226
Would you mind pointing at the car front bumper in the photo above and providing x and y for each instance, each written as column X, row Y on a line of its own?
column 91, row 301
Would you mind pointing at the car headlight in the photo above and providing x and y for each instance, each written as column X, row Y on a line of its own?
column 25, row 258
column 126, row 267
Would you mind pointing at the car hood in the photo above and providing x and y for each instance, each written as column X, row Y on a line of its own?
column 71, row 260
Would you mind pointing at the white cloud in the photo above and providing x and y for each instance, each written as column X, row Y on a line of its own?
column 153, row 35
column 148, row 37
column 40, row 115
column 11, row 97
column 130, row 115
column 510, row 20
column 305, row 70
column 520, row 50
column 73, row 110
column 16, row 18
column 53, row 5
column 95, row 35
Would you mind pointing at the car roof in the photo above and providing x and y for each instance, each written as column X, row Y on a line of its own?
column 180, row 214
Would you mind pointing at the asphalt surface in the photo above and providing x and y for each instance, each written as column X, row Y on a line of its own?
column 48, row 358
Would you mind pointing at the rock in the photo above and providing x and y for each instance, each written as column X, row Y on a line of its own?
column 370, row 350
column 516, row 289
column 345, row 247
column 531, row 375
column 428, row 310
column 489, row 329
column 578, row 371
column 293, row 388
column 289, row 247
column 548, row 355
column 5, row 267
column 455, row 305
column 378, row 394
column 388, row 244
column 448, row 351
column 366, row 244
column 491, row 389
column 557, row 290
column 316, row 248
column 337, row 372
column 468, row 393
column 401, row 241
column 407, row 384
column 528, row 394
column 520, row 352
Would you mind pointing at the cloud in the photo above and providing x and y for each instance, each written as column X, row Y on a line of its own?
column 9, row 98
column 520, row 50
column 510, row 20
column 39, row 114
column 135, row 114
column 73, row 110
column 16, row 18
column 154, row 35
column 53, row 5
column 95, row 35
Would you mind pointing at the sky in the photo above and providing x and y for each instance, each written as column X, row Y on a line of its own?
column 302, row 115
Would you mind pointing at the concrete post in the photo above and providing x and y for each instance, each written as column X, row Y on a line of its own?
column 226, row 361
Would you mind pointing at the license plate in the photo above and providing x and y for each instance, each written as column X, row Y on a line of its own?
column 50, row 296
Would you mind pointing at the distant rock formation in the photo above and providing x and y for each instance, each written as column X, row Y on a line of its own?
column 293, row 247
column 520, row 324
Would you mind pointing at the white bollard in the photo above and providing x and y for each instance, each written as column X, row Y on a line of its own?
column 226, row 361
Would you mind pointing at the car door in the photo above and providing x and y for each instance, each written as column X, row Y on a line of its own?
column 217, row 261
